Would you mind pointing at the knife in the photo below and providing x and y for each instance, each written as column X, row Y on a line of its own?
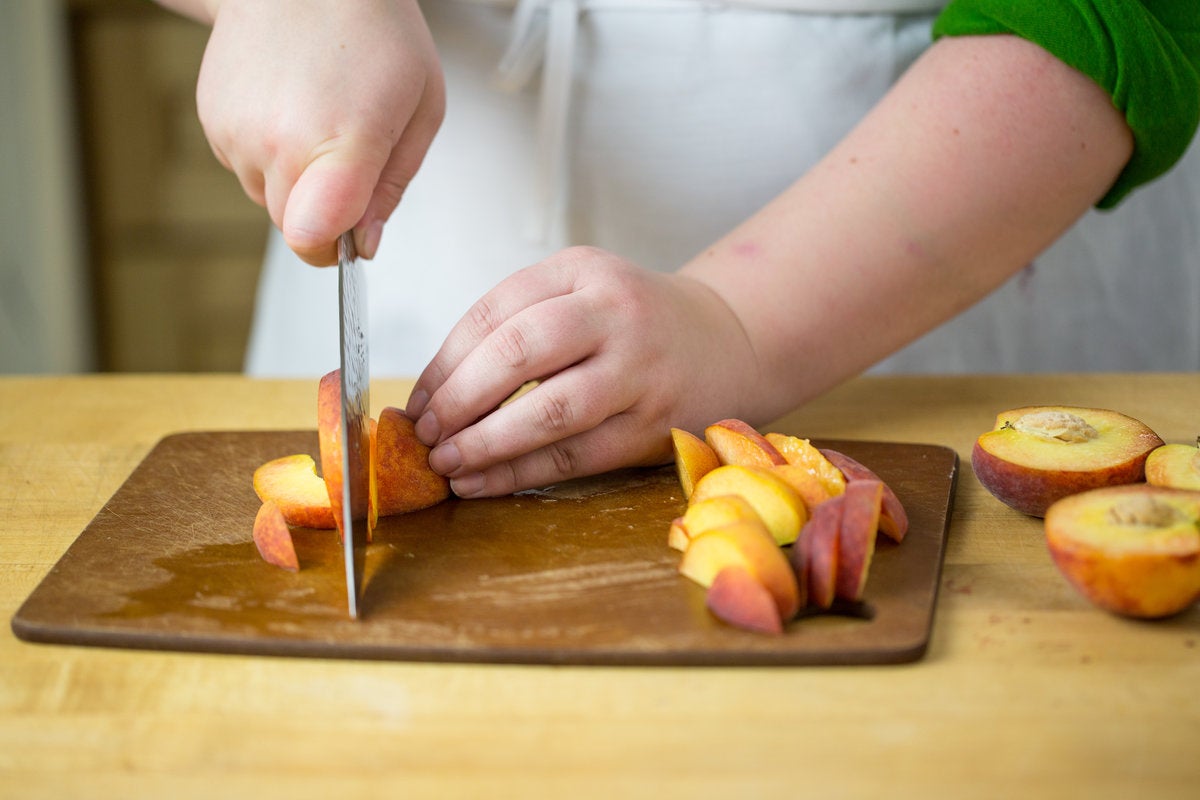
column 356, row 441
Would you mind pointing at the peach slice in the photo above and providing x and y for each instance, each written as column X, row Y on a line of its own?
column 1174, row 465
column 820, row 552
column 400, row 473
column 273, row 538
column 292, row 483
column 329, row 435
column 1038, row 454
column 803, row 454
column 812, row 490
column 737, row 442
column 693, row 459
column 750, row 546
column 861, row 505
column 893, row 519
column 706, row 514
column 737, row 598
column 773, row 499
column 1133, row 550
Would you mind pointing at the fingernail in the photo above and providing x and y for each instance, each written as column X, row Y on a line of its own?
column 370, row 237
column 467, row 485
column 428, row 429
column 445, row 458
column 416, row 403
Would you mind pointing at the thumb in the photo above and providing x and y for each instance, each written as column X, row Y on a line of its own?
column 328, row 199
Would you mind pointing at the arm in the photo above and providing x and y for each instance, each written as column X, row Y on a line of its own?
column 323, row 109
column 979, row 158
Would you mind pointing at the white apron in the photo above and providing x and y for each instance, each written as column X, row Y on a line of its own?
column 657, row 126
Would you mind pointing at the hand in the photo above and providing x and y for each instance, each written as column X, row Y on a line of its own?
column 323, row 109
column 622, row 354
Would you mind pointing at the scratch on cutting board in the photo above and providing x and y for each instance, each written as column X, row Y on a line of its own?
column 552, row 585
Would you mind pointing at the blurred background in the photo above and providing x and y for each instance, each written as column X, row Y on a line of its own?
column 124, row 245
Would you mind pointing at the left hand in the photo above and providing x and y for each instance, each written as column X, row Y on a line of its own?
column 621, row 353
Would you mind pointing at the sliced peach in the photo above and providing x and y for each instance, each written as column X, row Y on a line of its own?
column 329, row 436
column 1036, row 455
column 403, row 479
column 812, row 490
column 861, row 504
column 773, row 499
column 693, row 459
column 893, row 520
column 706, row 514
column 747, row 545
column 821, row 552
column 273, row 538
column 1133, row 549
column 737, row 442
column 802, row 453
column 292, row 483
column 1174, row 465
column 737, row 598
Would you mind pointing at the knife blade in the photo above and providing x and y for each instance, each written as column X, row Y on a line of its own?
column 356, row 406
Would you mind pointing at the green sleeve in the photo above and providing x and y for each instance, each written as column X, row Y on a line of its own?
column 1145, row 54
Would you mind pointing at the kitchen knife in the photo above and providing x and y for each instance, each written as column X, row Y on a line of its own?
column 356, row 436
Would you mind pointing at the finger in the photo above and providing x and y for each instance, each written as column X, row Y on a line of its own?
column 538, row 342
column 619, row 441
column 401, row 167
column 526, row 288
column 330, row 196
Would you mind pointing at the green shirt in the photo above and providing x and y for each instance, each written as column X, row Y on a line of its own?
column 1144, row 53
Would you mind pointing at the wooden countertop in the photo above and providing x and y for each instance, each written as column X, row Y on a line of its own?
column 1026, row 689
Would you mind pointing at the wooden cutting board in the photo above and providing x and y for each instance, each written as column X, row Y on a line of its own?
column 576, row 574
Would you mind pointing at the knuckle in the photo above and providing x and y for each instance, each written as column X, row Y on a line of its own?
column 511, row 346
column 563, row 459
column 482, row 318
column 554, row 413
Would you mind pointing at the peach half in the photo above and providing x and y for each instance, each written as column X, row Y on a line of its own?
column 1174, row 465
column 1133, row 550
column 1039, row 454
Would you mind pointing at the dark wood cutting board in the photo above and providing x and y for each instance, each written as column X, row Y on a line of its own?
column 575, row 574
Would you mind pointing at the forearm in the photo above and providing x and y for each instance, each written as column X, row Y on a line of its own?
column 980, row 157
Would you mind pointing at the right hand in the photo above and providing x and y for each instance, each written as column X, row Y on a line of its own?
column 323, row 109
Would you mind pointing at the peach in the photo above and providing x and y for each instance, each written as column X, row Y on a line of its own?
column 893, row 519
column 803, row 454
column 693, row 459
column 773, row 499
column 273, row 538
column 1133, row 550
column 748, row 545
column 812, row 490
column 861, row 505
column 1039, row 454
column 292, row 483
column 706, row 514
column 329, row 435
column 820, row 552
column 1174, row 465
column 737, row 598
column 402, row 478
column 737, row 442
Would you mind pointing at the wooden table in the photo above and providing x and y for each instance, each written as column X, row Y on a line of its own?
column 1026, row 690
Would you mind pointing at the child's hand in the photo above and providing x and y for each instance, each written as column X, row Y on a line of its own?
column 622, row 354
column 323, row 109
